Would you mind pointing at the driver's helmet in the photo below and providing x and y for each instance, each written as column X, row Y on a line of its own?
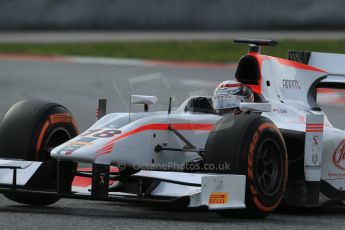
column 228, row 96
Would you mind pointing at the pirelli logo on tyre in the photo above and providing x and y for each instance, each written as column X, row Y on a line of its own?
column 60, row 118
column 218, row 198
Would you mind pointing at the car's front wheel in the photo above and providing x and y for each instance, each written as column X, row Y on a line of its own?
column 28, row 131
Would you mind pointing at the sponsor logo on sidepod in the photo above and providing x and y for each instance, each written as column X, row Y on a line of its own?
column 339, row 156
column 291, row 84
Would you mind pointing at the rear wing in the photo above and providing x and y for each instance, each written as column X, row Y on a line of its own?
column 333, row 64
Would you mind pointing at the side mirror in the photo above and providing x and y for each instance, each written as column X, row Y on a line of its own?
column 143, row 100
column 256, row 107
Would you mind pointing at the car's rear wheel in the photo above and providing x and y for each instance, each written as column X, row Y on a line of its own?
column 253, row 146
column 28, row 131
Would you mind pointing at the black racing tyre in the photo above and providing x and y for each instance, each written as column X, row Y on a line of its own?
column 28, row 131
column 253, row 146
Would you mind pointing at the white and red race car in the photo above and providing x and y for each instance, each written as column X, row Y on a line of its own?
column 280, row 149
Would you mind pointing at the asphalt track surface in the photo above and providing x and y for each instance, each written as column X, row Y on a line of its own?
column 135, row 36
column 77, row 86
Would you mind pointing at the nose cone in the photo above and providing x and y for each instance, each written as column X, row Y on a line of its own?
column 80, row 151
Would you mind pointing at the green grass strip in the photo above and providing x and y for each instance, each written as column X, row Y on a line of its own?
column 203, row 51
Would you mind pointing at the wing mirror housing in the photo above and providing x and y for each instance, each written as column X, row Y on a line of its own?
column 256, row 107
column 143, row 100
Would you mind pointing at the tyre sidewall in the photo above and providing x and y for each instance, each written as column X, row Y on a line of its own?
column 255, row 199
column 24, row 130
column 237, row 145
column 25, row 122
column 48, row 125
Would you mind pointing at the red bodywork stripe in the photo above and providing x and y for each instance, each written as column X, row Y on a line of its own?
column 257, row 87
column 314, row 131
column 182, row 126
column 79, row 181
column 286, row 62
column 297, row 65
column 230, row 85
column 315, row 125
column 313, row 128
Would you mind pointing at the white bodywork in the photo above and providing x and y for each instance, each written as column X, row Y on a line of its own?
column 139, row 138
column 287, row 87
column 25, row 170
column 206, row 187
column 204, row 190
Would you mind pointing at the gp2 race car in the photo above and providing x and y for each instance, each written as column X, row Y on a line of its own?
column 280, row 150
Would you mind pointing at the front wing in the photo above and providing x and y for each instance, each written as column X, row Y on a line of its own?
column 214, row 191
